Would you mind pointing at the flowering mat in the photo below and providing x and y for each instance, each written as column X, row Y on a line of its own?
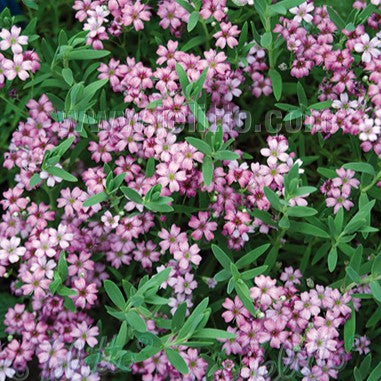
column 190, row 190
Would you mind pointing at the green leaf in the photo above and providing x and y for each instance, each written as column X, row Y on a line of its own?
column 183, row 78
column 321, row 105
column 187, row 6
column 352, row 273
column 154, row 104
column 309, row 229
column 244, row 295
column 193, row 42
column 329, row 173
column 193, row 320
column 114, row 294
column 150, row 168
column 62, row 267
column 302, row 97
column 87, row 54
column 251, row 274
column 335, row 18
column 365, row 365
column 360, row 167
column 135, row 321
column 375, row 374
column 277, row 84
column 251, row 256
column 121, row 338
column 301, row 211
column 178, row 317
column 226, row 155
column 200, row 145
column 376, row 266
column 273, row 199
column 332, row 259
column 61, row 149
column 55, row 284
column 349, row 331
column 67, row 75
column 175, row 358
column 266, row 40
column 30, row 4
column 207, row 170
column 132, row 195
column 96, row 199
column 35, row 179
column 288, row 4
column 59, row 172
column 263, row 216
column 376, row 290
column 193, row 20
column 212, row 333
column 221, row 257
column 66, row 291
column 292, row 115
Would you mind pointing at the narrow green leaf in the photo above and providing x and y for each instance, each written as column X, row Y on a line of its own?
column 175, row 358
column 132, row 195
column 114, row 293
column 207, row 170
column 277, row 84
column 96, row 199
column 135, row 321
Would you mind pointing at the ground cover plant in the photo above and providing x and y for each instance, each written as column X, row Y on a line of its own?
column 190, row 190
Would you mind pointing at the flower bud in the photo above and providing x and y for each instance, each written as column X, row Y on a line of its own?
column 310, row 283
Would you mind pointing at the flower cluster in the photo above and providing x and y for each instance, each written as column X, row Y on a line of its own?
column 316, row 46
column 338, row 189
column 17, row 62
column 303, row 327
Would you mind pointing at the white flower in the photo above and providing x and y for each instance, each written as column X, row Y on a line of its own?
column 5, row 370
column 303, row 12
column 10, row 249
column 369, row 131
column 344, row 103
column 368, row 47
column 376, row 2
column 50, row 179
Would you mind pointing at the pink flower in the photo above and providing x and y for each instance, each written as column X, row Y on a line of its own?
column 86, row 294
column 338, row 199
column 11, row 249
column 265, row 290
column 277, row 150
column 291, row 276
column 18, row 67
column 274, row 332
column 202, row 226
column 319, row 341
column 52, row 354
column 227, row 35
column 135, row 14
column 254, row 372
column 235, row 310
column 170, row 174
column 186, row 255
column 12, row 39
column 171, row 239
column 368, row 47
column 307, row 305
column 303, row 12
column 85, row 334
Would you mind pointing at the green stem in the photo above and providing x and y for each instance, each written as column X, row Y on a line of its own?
column 206, row 32
column 374, row 182
column 13, row 106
